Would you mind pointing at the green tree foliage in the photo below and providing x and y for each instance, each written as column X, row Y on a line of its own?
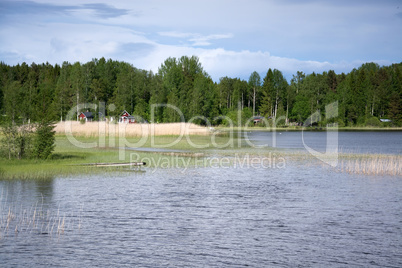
column 44, row 139
column 255, row 84
column 274, row 90
column 13, row 96
column 32, row 93
column 266, row 108
column 301, row 111
column 395, row 108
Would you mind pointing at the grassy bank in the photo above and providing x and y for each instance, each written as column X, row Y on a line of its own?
column 71, row 156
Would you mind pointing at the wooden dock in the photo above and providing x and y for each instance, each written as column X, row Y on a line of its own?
column 131, row 164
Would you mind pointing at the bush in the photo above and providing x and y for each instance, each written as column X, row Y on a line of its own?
column 361, row 121
column 16, row 141
column 238, row 118
column 373, row 122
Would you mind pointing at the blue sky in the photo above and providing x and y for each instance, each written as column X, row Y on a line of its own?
column 231, row 37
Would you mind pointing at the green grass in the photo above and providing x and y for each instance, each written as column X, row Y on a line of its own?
column 69, row 159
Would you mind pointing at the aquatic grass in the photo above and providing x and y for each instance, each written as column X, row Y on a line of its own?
column 371, row 164
column 353, row 163
column 15, row 221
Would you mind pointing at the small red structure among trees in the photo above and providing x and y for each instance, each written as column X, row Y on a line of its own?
column 87, row 116
column 127, row 118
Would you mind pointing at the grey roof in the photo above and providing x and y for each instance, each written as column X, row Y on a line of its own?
column 88, row 114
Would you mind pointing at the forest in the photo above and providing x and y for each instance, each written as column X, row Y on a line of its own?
column 32, row 93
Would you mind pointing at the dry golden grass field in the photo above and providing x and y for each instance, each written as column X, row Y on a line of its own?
column 93, row 129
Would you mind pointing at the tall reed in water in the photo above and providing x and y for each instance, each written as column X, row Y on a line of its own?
column 371, row 164
column 34, row 220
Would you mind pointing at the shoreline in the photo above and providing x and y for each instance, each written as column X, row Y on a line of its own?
column 271, row 129
column 70, row 160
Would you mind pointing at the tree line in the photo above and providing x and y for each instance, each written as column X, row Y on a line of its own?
column 43, row 92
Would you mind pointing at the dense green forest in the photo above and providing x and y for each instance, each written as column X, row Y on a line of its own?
column 37, row 91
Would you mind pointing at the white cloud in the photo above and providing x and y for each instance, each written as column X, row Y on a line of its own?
column 82, row 42
column 231, row 39
column 205, row 40
column 220, row 62
column 68, row 42
column 196, row 39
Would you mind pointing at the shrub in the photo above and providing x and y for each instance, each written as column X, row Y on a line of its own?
column 373, row 122
column 340, row 122
column 16, row 141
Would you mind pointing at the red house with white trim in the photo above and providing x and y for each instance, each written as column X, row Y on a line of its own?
column 127, row 118
column 87, row 116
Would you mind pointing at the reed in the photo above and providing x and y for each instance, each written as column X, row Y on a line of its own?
column 95, row 129
column 375, row 164
column 35, row 220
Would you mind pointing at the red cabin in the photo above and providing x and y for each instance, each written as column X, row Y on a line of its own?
column 87, row 116
column 127, row 118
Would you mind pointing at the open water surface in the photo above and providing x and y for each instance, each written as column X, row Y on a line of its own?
column 299, row 215
column 373, row 142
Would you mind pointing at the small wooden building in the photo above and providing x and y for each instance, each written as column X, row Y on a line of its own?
column 127, row 118
column 87, row 116
column 257, row 119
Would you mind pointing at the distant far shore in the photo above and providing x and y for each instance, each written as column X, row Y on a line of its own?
column 314, row 128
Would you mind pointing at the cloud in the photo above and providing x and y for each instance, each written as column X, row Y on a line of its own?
column 83, row 42
column 105, row 11
column 196, row 39
column 230, row 39
column 8, row 8
column 133, row 50
column 100, row 10
column 204, row 40
column 219, row 62
column 175, row 34
column 72, row 42
column 231, row 63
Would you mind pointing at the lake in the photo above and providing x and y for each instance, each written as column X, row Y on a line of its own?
column 299, row 214
column 373, row 142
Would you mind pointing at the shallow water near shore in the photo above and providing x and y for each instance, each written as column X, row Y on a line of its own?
column 299, row 214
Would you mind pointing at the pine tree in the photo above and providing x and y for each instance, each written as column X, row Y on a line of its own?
column 44, row 141
column 255, row 83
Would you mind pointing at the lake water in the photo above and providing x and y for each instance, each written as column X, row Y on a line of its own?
column 298, row 215
column 374, row 142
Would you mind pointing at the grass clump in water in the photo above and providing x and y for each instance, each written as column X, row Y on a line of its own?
column 375, row 164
